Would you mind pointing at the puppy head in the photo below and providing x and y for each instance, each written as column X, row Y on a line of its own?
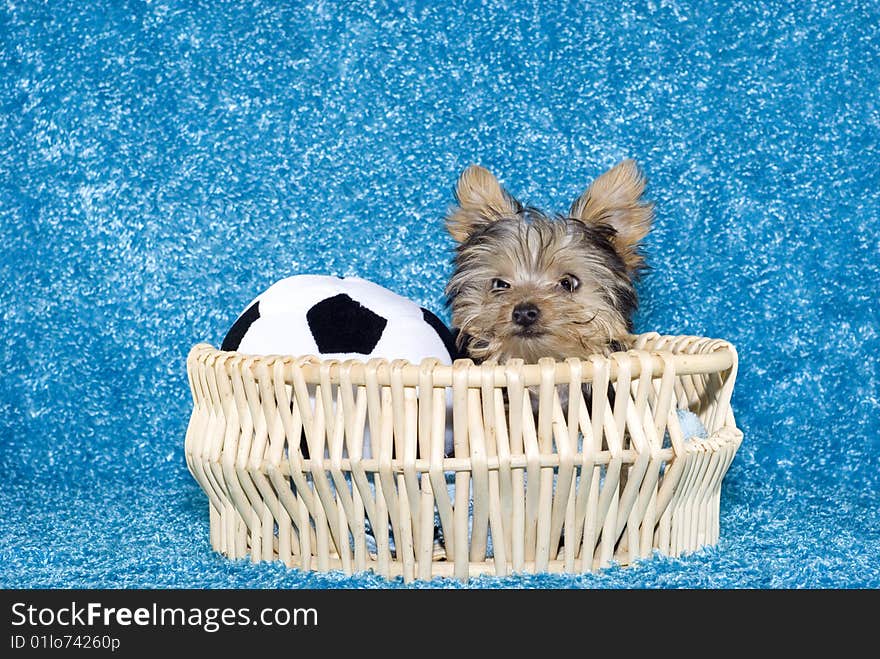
column 531, row 285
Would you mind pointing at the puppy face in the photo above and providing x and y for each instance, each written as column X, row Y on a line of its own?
column 530, row 285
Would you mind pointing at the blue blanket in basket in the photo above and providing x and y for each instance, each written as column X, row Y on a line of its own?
column 163, row 162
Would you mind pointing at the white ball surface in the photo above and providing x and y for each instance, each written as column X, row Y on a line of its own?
column 337, row 318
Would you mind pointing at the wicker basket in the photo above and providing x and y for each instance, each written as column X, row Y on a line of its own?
column 550, row 482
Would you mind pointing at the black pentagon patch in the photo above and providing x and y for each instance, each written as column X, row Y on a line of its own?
column 240, row 327
column 443, row 332
column 339, row 324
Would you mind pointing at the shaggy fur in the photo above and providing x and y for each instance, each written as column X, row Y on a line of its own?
column 529, row 285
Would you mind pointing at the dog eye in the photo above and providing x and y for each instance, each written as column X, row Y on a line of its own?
column 569, row 283
column 499, row 285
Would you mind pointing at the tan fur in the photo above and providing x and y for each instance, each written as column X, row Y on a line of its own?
column 481, row 200
column 569, row 331
column 532, row 253
column 532, row 260
column 615, row 198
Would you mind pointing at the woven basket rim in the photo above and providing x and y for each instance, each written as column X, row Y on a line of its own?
column 686, row 354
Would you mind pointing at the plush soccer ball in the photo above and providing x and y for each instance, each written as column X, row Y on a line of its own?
column 341, row 318
column 338, row 318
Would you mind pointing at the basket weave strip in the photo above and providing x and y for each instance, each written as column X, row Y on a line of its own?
column 340, row 465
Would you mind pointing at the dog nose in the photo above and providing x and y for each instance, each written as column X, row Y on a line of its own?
column 526, row 314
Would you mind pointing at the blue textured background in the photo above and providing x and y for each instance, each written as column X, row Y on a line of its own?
column 162, row 162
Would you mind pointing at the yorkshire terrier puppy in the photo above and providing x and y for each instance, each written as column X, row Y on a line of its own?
column 529, row 285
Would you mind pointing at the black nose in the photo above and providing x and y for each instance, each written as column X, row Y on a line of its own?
column 526, row 314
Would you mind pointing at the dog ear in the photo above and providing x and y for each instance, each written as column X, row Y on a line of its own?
column 481, row 201
column 615, row 199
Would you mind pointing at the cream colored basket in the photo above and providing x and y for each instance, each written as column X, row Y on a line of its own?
column 547, row 478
